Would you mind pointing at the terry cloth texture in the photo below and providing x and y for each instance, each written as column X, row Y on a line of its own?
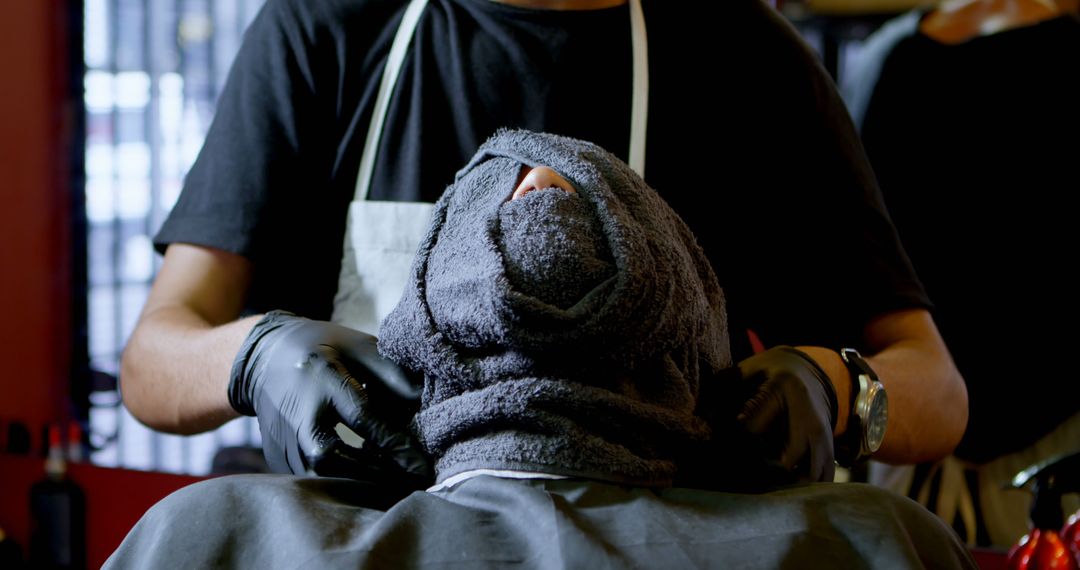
column 560, row 332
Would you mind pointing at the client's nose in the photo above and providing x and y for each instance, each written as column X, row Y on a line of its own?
column 540, row 178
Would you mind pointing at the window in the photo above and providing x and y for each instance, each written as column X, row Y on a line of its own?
column 154, row 69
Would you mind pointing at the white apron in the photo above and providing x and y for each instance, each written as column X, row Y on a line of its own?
column 381, row 238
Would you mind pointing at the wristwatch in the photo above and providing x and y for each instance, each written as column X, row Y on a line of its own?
column 869, row 412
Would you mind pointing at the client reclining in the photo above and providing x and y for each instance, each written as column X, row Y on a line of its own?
column 567, row 327
column 563, row 330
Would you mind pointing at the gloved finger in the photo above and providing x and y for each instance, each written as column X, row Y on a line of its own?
column 827, row 469
column 808, row 450
column 795, row 456
column 346, row 395
column 362, row 350
column 816, row 434
column 311, row 441
column 350, row 395
column 395, row 379
column 273, row 452
column 297, row 456
column 351, row 400
column 343, row 453
column 334, row 457
column 810, row 456
column 762, row 413
column 281, row 449
column 407, row 453
column 342, row 460
column 392, row 442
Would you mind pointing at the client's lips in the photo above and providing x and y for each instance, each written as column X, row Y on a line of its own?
column 540, row 178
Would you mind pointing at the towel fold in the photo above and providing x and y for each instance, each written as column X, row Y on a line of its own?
column 559, row 332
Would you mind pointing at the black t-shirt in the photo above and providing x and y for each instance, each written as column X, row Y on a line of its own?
column 747, row 140
column 976, row 146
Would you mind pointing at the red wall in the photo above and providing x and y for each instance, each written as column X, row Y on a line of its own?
column 34, row 250
column 35, row 279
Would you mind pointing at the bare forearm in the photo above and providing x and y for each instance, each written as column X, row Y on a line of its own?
column 927, row 397
column 175, row 369
column 928, row 405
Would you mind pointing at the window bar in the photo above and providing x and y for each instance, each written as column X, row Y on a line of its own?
column 154, row 60
column 241, row 17
column 211, row 52
column 149, row 132
column 130, row 64
column 114, row 190
column 80, row 380
column 96, row 23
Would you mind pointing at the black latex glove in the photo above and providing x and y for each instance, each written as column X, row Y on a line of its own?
column 789, row 414
column 302, row 377
column 772, row 418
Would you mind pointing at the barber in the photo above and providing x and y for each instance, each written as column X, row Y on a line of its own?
column 265, row 205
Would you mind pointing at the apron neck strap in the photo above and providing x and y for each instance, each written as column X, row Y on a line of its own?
column 639, row 110
column 386, row 90
column 406, row 30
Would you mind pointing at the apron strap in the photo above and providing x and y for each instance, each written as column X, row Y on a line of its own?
column 386, row 90
column 639, row 108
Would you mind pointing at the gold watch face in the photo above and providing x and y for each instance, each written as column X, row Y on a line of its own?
column 877, row 418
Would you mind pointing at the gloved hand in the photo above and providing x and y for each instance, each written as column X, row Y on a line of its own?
column 788, row 415
column 302, row 377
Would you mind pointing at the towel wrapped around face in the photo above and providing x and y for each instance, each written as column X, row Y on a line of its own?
column 559, row 332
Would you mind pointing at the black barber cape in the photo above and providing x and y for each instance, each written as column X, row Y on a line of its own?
column 280, row 521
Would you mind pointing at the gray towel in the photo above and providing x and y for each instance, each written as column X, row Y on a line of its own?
column 560, row 332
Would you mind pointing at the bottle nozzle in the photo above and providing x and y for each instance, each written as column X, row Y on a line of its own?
column 54, row 463
column 1052, row 479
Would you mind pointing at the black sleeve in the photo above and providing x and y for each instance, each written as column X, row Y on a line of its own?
column 260, row 185
column 879, row 276
column 816, row 255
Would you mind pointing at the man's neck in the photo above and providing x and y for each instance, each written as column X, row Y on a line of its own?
column 563, row 4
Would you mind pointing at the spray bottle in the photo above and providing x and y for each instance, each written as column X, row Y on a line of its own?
column 1045, row 547
column 58, row 514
